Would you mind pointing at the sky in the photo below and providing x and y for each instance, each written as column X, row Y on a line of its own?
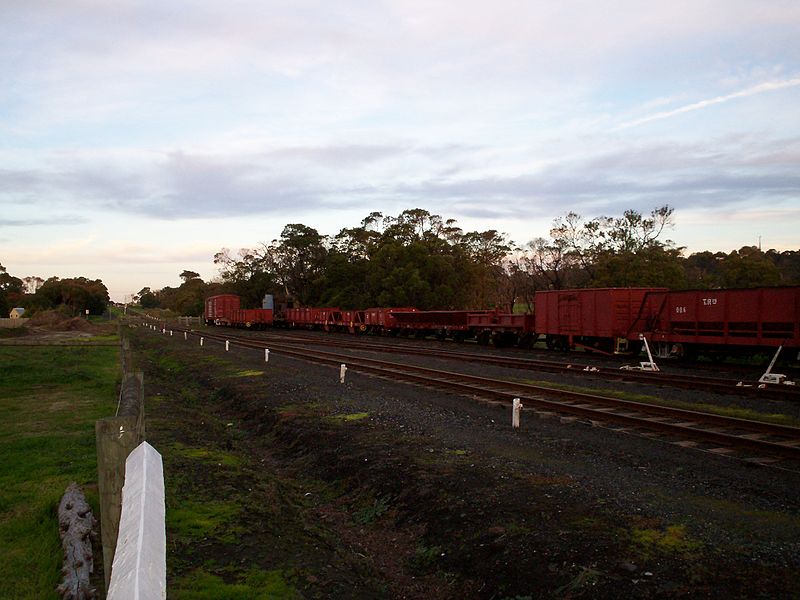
column 139, row 138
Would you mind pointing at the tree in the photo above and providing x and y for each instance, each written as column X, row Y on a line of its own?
column 748, row 267
column 74, row 294
column 703, row 269
column 607, row 251
column 189, row 275
column 32, row 284
column 149, row 300
column 487, row 252
column 297, row 260
column 250, row 275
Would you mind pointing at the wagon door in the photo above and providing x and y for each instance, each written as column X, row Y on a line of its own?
column 569, row 314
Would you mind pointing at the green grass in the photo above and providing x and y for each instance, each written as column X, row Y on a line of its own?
column 199, row 520
column 349, row 417
column 50, row 398
column 650, row 543
column 255, row 585
column 206, row 455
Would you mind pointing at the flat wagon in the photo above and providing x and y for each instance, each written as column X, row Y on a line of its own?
column 502, row 328
column 256, row 318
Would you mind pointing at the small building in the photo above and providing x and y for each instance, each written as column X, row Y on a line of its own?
column 16, row 313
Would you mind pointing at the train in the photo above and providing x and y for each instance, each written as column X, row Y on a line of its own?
column 715, row 323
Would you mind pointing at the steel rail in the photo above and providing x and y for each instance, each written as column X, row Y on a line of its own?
column 660, row 378
column 727, row 431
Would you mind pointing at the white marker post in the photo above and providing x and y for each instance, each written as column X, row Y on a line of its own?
column 266, row 355
column 516, row 407
column 170, row 333
column 342, row 371
column 201, row 341
column 185, row 335
column 227, row 345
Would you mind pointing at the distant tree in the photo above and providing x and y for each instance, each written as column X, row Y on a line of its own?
column 32, row 284
column 651, row 267
column 297, row 260
column 249, row 275
column 147, row 299
column 748, row 267
column 10, row 284
column 703, row 270
column 5, row 308
column 788, row 263
column 606, row 251
column 547, row 263
column 76, row 295
column 189, row 275
column 487, row 252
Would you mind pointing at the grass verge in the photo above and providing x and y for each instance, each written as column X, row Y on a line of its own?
column 50, row 400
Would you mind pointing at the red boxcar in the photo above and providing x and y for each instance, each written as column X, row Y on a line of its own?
column 219, row 307
column 595, row 319
column 721, row 321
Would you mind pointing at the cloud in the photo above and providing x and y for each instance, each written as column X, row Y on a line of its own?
column 50, row 221
column 715, row 173
column 768, row 86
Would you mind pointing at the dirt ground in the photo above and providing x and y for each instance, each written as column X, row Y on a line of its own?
column 374, row 489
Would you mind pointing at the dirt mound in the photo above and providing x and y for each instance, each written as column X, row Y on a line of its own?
column 56, row 321
column 74, row 324
column 47, row 318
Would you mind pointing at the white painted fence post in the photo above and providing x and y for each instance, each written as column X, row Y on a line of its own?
column 342, row 371
column 515, row 410
column 266, row 354
column 140, row 560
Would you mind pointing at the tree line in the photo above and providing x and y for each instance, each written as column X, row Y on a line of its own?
column 423, row 260
column 73, row 296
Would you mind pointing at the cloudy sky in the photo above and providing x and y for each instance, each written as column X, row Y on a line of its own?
column 138, row 138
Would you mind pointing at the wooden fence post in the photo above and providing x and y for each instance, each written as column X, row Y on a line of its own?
column 115, row 438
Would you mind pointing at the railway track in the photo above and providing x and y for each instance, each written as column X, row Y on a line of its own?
column 660, row 378
column 755, row 442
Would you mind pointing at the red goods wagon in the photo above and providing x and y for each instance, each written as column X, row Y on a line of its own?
column 252, row 317
column 433, row 319
column 443, row 323
column 312, row 318
column 503, row 329
column 219, row 307
column 298, row 317
column 353, row 321
column 722, row 322
column 326, row 317
column 382, row 320
column 595, row 319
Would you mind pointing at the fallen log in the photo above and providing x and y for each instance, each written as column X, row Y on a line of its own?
column 76, row 525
